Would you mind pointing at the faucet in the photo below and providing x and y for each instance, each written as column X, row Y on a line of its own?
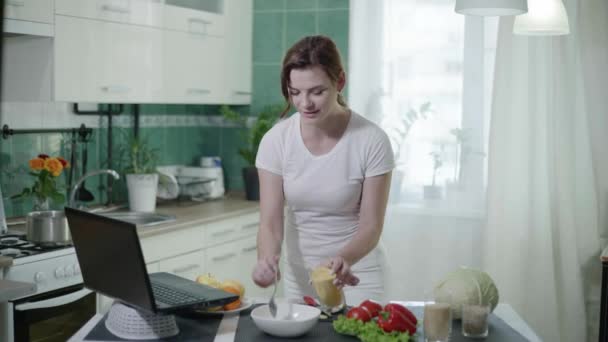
column 3, row 228
column 111, row 172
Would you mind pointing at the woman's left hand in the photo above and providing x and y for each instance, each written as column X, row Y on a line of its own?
column 341, row 268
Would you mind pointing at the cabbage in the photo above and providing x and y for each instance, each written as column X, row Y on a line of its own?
column 466, row 286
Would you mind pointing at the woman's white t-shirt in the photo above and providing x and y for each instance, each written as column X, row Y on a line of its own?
column 323, row 193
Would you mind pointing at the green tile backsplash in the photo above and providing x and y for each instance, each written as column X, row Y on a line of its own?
column 277, row 25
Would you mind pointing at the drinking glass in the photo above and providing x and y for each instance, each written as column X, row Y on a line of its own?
column 475, row 320
column 330, row 297
column 437, row 320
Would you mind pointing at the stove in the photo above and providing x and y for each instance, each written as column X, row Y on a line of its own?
column 59, row 292
column 15, row 246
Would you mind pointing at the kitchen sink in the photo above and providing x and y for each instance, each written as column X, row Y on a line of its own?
column 138, row 218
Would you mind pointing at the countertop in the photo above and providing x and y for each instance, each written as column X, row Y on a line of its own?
column 187, row 214
column 5, row 261
column 227, row 329
column 14, row 289
column 190, row 214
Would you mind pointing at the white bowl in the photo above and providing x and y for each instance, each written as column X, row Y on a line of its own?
column 292, row 319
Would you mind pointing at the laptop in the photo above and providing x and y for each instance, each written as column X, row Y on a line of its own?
column 112, row 263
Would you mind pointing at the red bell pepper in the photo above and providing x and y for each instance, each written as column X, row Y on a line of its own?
column 394, row 319
column 372, row 307
column 359, row 313
column 405, row 311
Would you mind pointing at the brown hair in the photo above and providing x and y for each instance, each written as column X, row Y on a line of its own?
column 310, row 51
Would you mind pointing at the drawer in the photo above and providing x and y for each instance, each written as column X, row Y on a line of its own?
column 30, row 10
column 167, row 245
column 231, row 229
column 137, row 12
column 193, row 21
column 188, row 266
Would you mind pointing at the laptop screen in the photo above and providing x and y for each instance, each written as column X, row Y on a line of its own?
column 110, row 258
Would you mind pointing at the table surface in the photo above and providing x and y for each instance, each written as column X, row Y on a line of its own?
column 227, row 328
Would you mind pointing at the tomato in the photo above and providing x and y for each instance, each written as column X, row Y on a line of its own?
column 359, row 313
column 372, row 307
column 310, row 301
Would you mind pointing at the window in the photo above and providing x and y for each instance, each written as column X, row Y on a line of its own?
column 435, row 85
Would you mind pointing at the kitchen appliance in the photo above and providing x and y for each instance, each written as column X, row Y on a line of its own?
column 195, row 183
column 48, row 228
column 60, row 305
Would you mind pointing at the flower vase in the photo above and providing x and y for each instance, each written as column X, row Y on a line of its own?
column 41, row 204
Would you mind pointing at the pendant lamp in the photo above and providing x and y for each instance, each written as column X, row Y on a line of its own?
column 544, row 18
column 491, row 7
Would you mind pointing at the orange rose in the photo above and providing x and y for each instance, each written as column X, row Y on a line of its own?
column 53, row 165
column 64, row 162
column 37, row 164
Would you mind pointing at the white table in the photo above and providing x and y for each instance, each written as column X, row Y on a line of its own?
column 227, row 329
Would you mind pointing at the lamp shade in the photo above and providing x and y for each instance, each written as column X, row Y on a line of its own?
column 544, row 18
column 491, row 7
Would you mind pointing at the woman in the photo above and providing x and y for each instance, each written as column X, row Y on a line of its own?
column 332, row 168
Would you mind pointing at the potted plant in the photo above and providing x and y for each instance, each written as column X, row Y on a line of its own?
column 397, row 127
column 253, row 135
column 433, row 191
column 45, row 189
column 141, row 174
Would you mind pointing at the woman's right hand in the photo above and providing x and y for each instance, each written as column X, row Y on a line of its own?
column 264, row 272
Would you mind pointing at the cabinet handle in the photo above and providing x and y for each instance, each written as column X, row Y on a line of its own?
column 200, row 21
column 115, row 89
column 223, row 257
column 115, row 9
column 249, row 249
column 223, row 233
column 185, row 268
column 16, row 3
column 238, row 92
column 200, row 91
column 250, row 225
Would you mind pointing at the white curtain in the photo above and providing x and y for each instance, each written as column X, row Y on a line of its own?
column 405, row 54
column 544, row 219
column 541, row 239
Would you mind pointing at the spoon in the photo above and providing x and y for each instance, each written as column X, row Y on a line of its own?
column 272, row 305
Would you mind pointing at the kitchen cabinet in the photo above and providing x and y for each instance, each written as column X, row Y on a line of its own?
column 196, row 17
column 239, row 39
column 193, row 68
column 136, row 12
column 34, row 17
column 100, row 61
column 189, row 265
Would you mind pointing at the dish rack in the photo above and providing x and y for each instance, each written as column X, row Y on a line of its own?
column 195, row 183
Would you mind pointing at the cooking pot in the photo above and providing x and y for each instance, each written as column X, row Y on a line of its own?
column 49, row 228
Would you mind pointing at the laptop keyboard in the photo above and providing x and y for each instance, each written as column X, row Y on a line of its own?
column 172, row 296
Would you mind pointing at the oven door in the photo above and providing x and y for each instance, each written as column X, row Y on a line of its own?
column 52, row 316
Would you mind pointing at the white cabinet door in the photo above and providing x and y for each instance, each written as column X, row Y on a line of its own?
column 29, row 10
column 193, row 68
column 239, row 38
column 222, row 261
column 194, row 20
column 188, row 266
column 138, row 12
column 98, row 61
